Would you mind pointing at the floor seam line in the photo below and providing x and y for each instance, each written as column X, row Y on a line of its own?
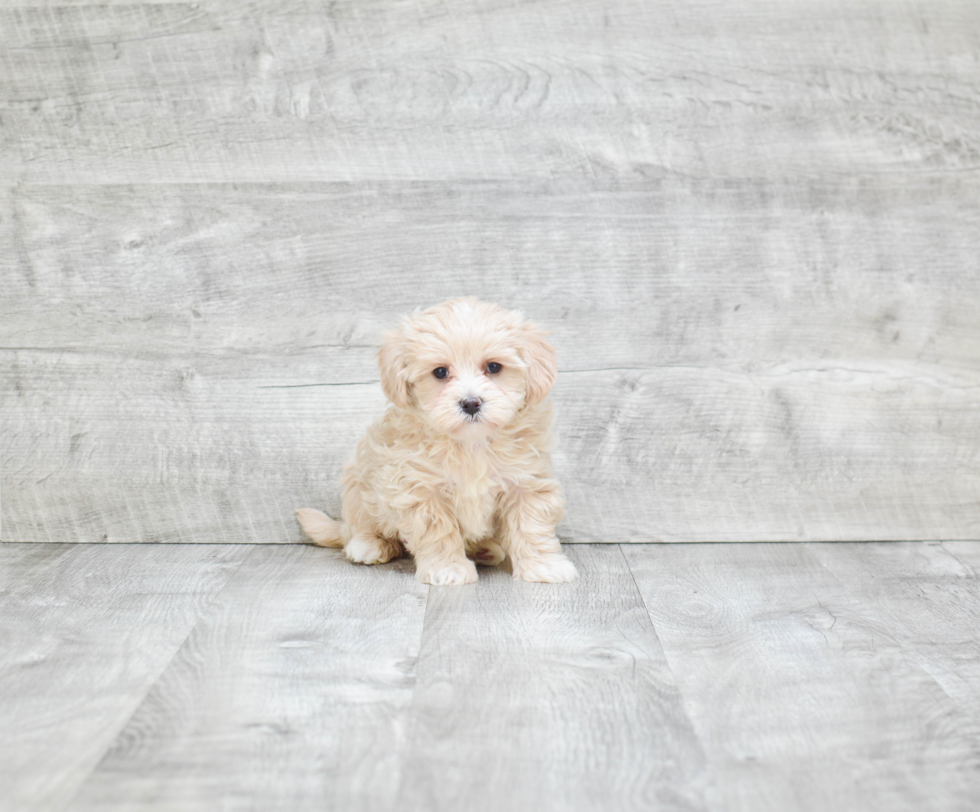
column 156, row 680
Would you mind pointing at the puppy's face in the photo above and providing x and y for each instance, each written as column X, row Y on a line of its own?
column 466, row 367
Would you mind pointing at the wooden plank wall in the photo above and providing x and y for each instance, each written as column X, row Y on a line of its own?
column 753, row 227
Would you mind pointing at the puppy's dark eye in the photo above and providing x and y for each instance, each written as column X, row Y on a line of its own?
column 440, row 372
column 493, row 367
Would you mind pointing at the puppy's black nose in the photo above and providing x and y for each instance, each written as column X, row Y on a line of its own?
column 470, row 405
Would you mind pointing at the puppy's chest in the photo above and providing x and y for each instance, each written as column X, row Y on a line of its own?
column 474, row 493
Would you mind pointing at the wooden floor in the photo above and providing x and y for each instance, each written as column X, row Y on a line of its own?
column 753, row 229
column 699, row 677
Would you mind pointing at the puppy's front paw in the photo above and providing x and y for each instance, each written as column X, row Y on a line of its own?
column 550, row 569
column 455, row 574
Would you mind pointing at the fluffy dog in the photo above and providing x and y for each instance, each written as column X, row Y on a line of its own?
column 459, row 463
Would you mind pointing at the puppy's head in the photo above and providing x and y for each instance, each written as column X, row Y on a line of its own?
column 467, row 367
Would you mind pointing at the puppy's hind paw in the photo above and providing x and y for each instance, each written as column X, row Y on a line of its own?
column 363, row 550
column 552, row 569
column 455, row 574
column 489, row 554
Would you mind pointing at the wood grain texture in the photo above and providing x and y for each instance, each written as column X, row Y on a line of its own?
column 535, row 697
column 792, row 677
column 678, row 271
column 292, row 693
column 85, row 633
column 21, row 562
column 192, row 449
column 752, row 227
column 804, row 696
column 930, row 603
column 295, row 692
column 742, row 360
column 354, row 90
column 966, row 552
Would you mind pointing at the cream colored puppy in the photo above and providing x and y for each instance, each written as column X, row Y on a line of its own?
column 459, row 463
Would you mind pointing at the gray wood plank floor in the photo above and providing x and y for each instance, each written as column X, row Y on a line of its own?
column 728, row 677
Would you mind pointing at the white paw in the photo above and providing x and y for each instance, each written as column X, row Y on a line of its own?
column 552, row 569
column 449, row 575
column 365, row 551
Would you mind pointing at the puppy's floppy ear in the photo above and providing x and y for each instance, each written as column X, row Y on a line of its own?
column 393, row 364
column 542, row 363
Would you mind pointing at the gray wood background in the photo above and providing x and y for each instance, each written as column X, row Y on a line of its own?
column 753, row 227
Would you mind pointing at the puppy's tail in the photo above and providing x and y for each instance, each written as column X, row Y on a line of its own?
column 320, row 528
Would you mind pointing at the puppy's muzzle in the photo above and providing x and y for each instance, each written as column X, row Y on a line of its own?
column 470, row 405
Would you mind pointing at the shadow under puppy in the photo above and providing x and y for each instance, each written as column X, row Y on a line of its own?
column 458, row 467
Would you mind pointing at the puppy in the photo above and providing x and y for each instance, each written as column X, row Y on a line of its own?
column 458, row 468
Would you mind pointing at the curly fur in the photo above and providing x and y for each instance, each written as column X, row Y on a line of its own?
column 444, row 485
